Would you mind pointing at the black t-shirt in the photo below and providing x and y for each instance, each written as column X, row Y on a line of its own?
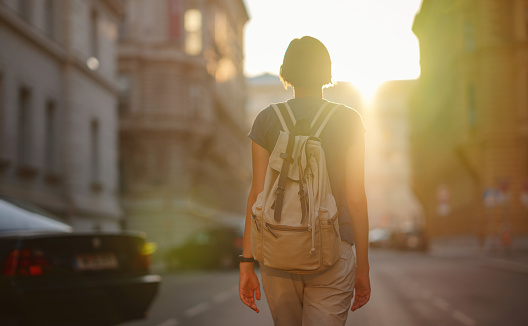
column 343, row 129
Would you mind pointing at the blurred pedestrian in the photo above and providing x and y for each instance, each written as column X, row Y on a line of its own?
column 322, row 298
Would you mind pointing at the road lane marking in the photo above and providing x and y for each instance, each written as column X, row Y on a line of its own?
column 463, row 318
column 204, row 306
column 223, row 296
column 414, row 287
column 198, row 309
column 441, row 303
column 170, row 322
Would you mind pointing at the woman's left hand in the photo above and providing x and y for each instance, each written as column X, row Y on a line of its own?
column 362, row 290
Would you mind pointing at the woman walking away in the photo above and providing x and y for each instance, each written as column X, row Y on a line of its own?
column 306, row 219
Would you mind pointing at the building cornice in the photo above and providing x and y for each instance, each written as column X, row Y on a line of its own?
column 52, row 48
column 32, row 34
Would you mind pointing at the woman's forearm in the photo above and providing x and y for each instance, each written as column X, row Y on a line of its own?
column 357, row 202
column 360, row 225
column 246, row 250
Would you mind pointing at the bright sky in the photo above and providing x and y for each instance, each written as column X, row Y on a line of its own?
column 369, row 41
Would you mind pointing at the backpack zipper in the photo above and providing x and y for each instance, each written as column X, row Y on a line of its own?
column 271, row 227
column 335, row 231
column 255, row 220
column 332, row 221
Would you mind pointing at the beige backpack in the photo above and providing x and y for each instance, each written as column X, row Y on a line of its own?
column 294, row 219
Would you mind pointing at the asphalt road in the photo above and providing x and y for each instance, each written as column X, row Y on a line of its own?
column 408, row 289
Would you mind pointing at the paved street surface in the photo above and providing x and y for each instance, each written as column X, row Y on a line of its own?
column 408, row 289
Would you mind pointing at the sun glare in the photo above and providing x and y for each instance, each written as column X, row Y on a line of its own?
column 370, row 41
column 368, row 89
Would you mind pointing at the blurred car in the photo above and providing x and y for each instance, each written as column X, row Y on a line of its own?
column 211, row 248
column 410, row 238
column 406, row 237
column 50, row 275
column 380, row 238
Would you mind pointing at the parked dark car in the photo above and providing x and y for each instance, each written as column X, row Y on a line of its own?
column 212, row 248
column 411, row 238
column 407, row 237
column 50, row 275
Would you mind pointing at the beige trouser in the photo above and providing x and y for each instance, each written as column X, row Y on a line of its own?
column 321, row 299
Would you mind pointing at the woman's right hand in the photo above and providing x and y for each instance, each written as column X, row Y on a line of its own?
column 249, row 286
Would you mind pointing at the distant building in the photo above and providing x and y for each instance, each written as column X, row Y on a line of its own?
column 268, row 88
column 470, row 118
column 183, row 151
column 58, row 108
column 392, row 202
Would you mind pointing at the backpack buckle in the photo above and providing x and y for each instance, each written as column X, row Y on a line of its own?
column 286, row 157
column 280, row 191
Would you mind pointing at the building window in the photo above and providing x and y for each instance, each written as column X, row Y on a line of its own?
column 95, row 152
column 50, row 159
column 469, row 36
column 123, row 28
column 124, row 93
column 23, row 139
column 472, row 110
column 24, row 9
column 49, row 18
column 1, row 108
column 94, row 34
column 526, row 22
column 3, row 160
column 175, row 19
column 526, row 98
column 194, row 98
column 193, row 32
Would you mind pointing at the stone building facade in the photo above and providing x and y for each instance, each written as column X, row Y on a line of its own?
column 184, row 159
column 470, row 118
column 58, row 108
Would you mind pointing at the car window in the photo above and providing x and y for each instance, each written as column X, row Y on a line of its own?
column 18, row 216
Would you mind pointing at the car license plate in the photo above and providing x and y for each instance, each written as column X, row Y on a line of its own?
column 95, row 262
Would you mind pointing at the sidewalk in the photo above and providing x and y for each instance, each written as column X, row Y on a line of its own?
column 490, row 254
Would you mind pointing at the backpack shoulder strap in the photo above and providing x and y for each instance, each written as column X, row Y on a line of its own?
column 285, row 115
column 287, row 120
column 322, row 117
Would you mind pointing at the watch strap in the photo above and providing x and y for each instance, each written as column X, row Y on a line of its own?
column 243, row 259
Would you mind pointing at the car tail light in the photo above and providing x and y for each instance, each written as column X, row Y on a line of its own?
column 25, row 262
column 144, row 256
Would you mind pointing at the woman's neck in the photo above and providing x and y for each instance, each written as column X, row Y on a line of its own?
column 299, row 92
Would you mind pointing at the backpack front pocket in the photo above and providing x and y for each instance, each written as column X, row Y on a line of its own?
column 331, row 241
column 288, row 248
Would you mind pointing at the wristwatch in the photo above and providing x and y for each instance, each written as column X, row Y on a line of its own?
column 243, row 259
